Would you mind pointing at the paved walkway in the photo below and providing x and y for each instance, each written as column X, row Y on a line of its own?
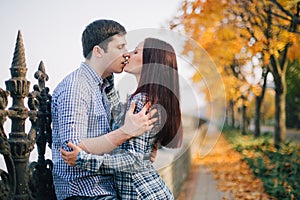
column 200, row 184
column 291, row 134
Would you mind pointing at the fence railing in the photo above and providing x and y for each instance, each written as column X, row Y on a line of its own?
column 24, row 180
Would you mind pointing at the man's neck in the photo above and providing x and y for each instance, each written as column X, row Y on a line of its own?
column 95, row 67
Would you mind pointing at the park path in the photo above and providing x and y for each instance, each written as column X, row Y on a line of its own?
column 217, row 160
column 291, row 134
column 200, row 184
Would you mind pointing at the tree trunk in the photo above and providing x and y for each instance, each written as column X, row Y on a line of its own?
column 279, row 67
column 232, row 114
column 257, row 116
column 226, row 117
column 244, row 120
column 280, row 114
column 259, row 100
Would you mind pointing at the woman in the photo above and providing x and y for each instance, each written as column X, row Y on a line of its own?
column 154, row 65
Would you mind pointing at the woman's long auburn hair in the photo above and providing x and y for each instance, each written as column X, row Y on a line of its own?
column 159, row 80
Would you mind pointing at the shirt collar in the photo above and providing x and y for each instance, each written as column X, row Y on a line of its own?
column 104, row 84
column 94, row 76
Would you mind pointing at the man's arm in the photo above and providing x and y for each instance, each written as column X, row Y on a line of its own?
column 72, row 118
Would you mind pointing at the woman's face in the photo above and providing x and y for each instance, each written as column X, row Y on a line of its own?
column 136, row 60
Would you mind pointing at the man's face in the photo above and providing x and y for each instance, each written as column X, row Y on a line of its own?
column 114, row 55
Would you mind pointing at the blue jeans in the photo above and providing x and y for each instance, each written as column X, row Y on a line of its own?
column 108, row 197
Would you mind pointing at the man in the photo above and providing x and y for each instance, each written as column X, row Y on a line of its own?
column 81, row 109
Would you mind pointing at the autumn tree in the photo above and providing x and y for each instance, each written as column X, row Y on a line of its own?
column 265, row 27
column 274, row 36
column 213, row 27
column 202, row 21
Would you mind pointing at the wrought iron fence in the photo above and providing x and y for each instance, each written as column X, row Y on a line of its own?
column 25, row 180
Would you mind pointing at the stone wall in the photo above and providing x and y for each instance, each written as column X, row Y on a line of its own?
column 174, row 164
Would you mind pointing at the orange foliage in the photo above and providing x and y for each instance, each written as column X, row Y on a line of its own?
column 206, row 22
column 271, row 28
column 223, row 28
column 234, row 176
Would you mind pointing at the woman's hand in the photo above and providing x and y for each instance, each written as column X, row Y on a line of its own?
column 139, row 123
column 70, row 156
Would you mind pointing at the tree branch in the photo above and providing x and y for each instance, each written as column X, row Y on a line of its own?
column 294, row 18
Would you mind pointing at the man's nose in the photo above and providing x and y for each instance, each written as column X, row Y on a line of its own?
column 125, row 50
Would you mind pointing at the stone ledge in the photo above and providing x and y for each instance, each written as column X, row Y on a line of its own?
column 174, row 164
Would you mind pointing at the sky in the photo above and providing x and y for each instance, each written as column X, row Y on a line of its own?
column 52, row 30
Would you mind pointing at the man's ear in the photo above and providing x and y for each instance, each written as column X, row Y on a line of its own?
column 98, row 51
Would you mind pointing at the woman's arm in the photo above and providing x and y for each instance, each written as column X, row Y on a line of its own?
column 134, row 125
column 120, row 160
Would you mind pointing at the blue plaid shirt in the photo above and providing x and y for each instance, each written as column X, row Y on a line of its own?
column 80, row 109
column 134, row 175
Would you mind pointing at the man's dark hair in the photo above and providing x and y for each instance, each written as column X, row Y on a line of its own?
column 100, row 33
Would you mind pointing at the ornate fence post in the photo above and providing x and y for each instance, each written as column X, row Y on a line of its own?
column 8, row 180
column 39, row 102
column 20, row 145
column 23, row 182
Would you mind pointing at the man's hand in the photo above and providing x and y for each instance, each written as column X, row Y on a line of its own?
column 70, row 157
column 137, row 124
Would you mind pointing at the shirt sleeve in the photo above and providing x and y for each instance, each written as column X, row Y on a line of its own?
column 72, row 115
column 109, row 163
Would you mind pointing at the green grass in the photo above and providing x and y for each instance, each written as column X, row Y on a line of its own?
column 279, row 169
